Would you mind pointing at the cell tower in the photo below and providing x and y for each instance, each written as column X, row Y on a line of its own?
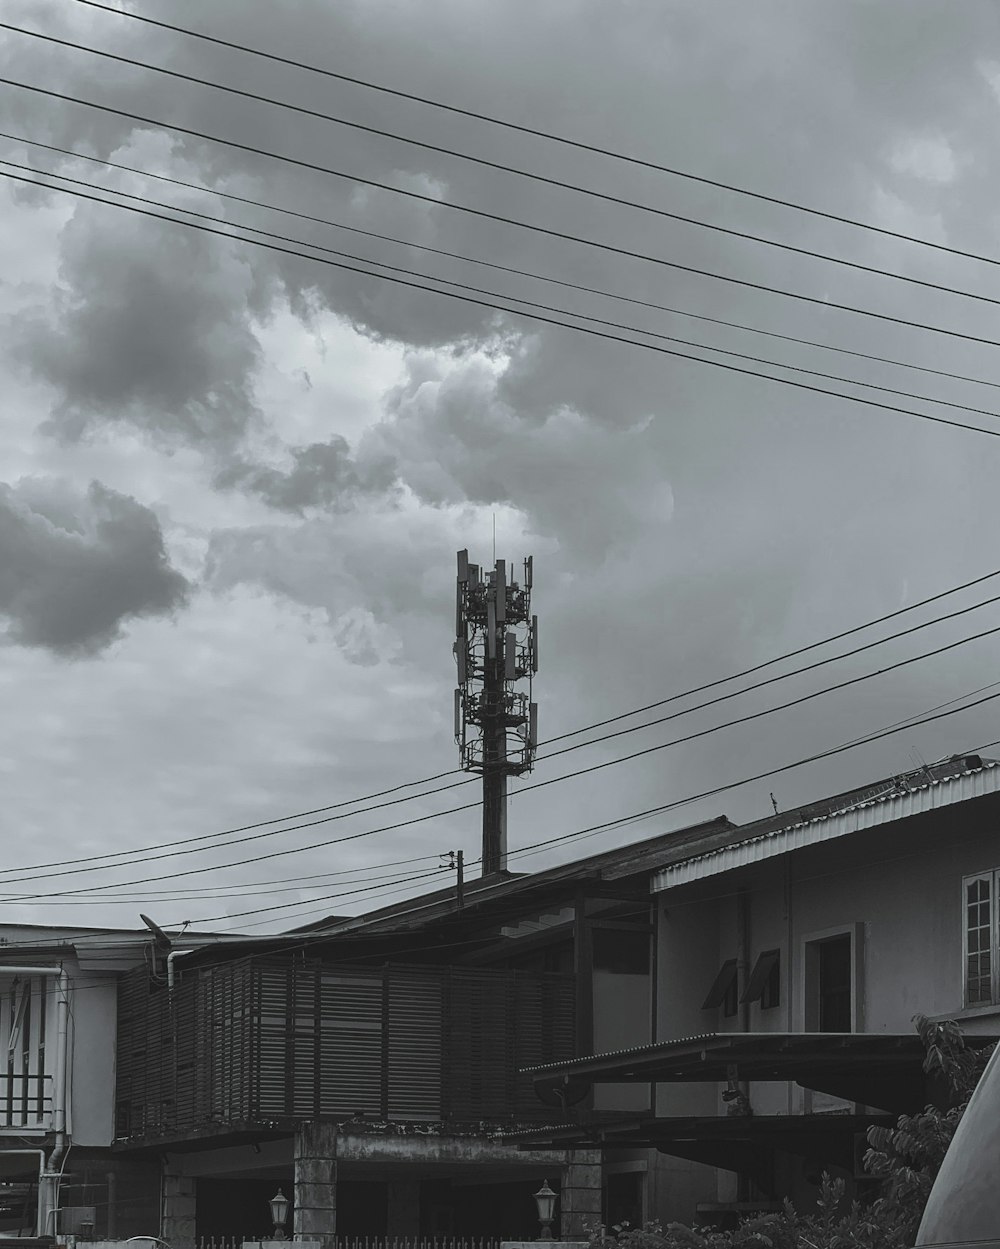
column 496, row 724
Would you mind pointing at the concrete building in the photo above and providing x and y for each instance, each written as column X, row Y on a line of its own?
column 791, row 958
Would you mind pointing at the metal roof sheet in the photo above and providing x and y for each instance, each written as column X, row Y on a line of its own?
column 930, row 796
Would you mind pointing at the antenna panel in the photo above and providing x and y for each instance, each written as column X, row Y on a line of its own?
column 491, row 629
column 462, row 658
column 458, row 715
column 534, row 643
column 533, row 725
column 501, row 591
column 527, row 572
column 463, row 566
column 510, row 657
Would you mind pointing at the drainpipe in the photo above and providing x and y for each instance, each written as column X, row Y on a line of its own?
column 171, row 973
column 48, row 1184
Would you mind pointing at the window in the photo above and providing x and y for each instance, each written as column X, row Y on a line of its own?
column 979, row 923
column 765, row 981
column 724, row 990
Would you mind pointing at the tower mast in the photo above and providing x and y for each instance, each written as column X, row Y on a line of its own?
column 496, row 723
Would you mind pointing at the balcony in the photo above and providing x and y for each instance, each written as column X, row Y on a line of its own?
column 269, row 1042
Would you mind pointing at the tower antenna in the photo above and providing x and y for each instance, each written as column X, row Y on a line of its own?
column 496, row 722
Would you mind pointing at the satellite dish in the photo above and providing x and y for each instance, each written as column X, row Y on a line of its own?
column 162, row 940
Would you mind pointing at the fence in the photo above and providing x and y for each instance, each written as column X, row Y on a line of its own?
column 374, row 1242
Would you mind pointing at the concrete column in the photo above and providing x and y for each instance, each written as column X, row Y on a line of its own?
column 580, row 1195
column 177, row 1222
column 403, row 1209
column 316, row 1183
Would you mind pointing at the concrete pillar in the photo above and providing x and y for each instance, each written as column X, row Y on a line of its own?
column 177, row 1221
column 316, row 1183
column 403, row 1209
column 580, row 1194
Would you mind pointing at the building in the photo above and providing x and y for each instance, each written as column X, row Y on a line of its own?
column 791, row 957
column 687, row 1027
column 373, row 1066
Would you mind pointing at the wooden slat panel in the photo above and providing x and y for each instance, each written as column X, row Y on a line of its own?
column 273, row 1039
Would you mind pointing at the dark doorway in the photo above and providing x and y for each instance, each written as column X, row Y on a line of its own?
column 830, row 984
column 623, row 1199
column 239, row 1208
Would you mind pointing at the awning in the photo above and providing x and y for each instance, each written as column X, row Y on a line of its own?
column 872, row 1069
column 733, row 1142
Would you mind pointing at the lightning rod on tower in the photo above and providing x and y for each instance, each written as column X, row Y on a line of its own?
column 496, row 723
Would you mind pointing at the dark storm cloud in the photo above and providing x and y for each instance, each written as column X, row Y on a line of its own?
column 150, row 329
column 323, row 475
column 74, row 568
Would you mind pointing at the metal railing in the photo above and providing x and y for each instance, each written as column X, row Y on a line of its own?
column 25, row 1101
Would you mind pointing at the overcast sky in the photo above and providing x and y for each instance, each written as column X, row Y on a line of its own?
column 233, row 482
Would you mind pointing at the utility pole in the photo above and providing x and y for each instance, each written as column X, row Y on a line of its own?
column 456, row 861
column 496, row 725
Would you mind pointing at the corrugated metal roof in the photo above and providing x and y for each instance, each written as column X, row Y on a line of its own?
column 933, row 794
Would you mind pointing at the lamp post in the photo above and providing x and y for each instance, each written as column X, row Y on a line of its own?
column 279, row 1213
column 545, row 1200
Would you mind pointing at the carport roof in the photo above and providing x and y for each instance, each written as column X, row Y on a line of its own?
column 875, row 1069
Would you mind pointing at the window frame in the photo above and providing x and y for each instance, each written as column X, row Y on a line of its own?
column 993, row 877
column 807, row 1007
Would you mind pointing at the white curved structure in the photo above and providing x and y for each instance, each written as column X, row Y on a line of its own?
column 964, row 1205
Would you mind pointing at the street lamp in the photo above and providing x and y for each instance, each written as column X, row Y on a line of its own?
column 545, row 1200
column 279, row 1213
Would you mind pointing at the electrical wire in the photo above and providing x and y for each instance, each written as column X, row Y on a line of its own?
column 760, row 776
column 524, row 851
column 518, row 312
column 465, row 286
column 489, row 264
column 591, row 768
column 484, row 162
column 549, row 136
column 783, row 676
column 92, row 859
column 500, row 218
column 238, row 889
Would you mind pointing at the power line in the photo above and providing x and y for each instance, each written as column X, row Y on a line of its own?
column 756, row 715
column 465, row 286
column 747, row 689
column 760, row 776
column 489, row 264
column 767, row 663
column 591, row 768
column 236, row 889
column 550, row 136
column 144, row 851
column 484, row 162
column 521, row 312
column 640, row 815
column 497, row 217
